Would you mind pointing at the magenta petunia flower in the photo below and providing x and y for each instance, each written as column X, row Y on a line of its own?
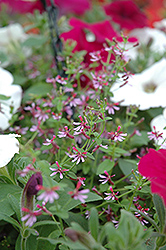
column 22, row 6
column 90, row 37
column 126, row 14
column 64, row 7
column 153, row 166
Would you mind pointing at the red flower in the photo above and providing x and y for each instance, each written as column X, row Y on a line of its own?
column 77, row 7
column 126, row 14
column 89, row 37
column 155, row 11
column 153, row 166
column 69, row 6
column 22, row 6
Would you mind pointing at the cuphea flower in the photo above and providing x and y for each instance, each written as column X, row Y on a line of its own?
column 48, row 142
column 106, row 177
column 126, row 14
column 112, row 195
column 77, row 156
column 59, row 170
column 8, row 148
column 155, row 135
column 49, row 194
column 145, row 90
column 31, row 217
column 65, row 133
column 8, row 106
column 153, row 166
column 117, row 135
column 79, row 195
column 111, row 107
column 139, row 216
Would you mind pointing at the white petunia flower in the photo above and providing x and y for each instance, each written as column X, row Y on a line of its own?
column 161, row 25
column 155, row 37
column 11, row 37
column 9, row 146
column 12, row 91
column 159, row 122
column 145, row 90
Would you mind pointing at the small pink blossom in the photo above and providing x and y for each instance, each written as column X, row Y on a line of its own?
column 48, row 195
column 112, row 107
column 98, row 81
column 42, row 114
column 79, row 195
column 117, row 135
column 78, row 156
column 48, row 142
column 95, row 56
column 27, row 169
column 58, row 170
column 155, row 135
column 57, row 116
column 106, row 178
column 98, row 146
column 65, row 133
column 31, row 217
column 112, row 195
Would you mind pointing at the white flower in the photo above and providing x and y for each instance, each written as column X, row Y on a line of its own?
column 156, row 37
column 159, row 122
column 146, row 90
column 160, row 24
column 12, row 91
column 146, row 34
column 9, row 146
column 11, row 38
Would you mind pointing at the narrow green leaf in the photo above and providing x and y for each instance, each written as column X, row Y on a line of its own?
column 160, row 209
column 4, row 97
column 94, row 223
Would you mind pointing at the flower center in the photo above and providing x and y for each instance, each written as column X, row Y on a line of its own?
column 150, row 87
column 90, row 37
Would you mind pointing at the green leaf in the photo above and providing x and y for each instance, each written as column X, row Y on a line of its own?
column 127, row 166
column 4, row 97
column 94, row 223
column 10, row 220
column 5, row 190
column 160, row 209
column 15, row 205
column 39, row 90
column 72, row 245
column 90, row 156
column 129, row 235
column 35, row 41
column 106, row 165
